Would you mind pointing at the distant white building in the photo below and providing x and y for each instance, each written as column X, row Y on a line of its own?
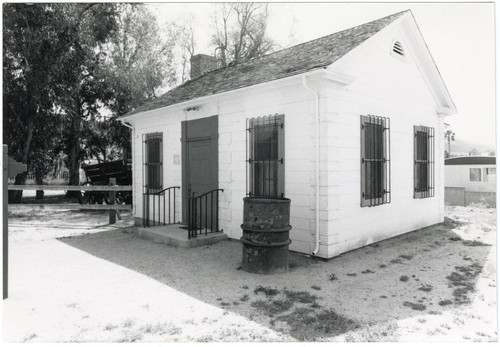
column 470, row 179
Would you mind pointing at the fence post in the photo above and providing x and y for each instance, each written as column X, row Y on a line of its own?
column 5, row 237
column 112, row 198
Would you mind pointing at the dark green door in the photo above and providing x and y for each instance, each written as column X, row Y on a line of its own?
column 200, row 166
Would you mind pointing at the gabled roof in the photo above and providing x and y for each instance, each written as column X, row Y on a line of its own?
column 471, row 160
column 291, row 61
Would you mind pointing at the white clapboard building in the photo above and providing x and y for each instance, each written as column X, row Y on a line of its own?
column 348, row 126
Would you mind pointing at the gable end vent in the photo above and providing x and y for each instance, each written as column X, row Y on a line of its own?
column 398, row 48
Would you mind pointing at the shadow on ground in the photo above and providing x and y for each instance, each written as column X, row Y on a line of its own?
column 422, row 272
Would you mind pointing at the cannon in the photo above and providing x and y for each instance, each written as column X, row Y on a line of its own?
column 99, row 175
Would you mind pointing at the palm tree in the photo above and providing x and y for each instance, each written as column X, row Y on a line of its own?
column 451, row 137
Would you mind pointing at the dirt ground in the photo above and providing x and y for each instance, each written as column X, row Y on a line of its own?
column 73, row 278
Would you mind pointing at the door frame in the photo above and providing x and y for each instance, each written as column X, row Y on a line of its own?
column 206, row 128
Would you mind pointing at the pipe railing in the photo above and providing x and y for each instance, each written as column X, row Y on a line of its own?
column 162, row 200
column 203, row 213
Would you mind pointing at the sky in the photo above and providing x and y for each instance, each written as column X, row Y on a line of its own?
column 460, row 37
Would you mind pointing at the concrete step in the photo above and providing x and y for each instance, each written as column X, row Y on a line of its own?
column 174, row 235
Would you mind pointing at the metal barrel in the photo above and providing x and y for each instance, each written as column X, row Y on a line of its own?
column 266, row 226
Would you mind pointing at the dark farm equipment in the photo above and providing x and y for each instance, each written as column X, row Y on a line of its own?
column 99, row 175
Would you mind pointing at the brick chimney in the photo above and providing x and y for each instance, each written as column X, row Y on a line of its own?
column 201, row 64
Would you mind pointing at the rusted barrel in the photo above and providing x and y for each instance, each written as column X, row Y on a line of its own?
column 266, row 226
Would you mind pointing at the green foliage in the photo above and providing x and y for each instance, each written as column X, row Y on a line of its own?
column 309, row 325
column 300, row 296
column 138, row 60
column 268, row 291
column 463, row 280
column 273, row 307
column 50, row 55
column 138, row 65
column 67, row 64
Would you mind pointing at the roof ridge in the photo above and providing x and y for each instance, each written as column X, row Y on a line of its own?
column 396, row 15
column 336, row 33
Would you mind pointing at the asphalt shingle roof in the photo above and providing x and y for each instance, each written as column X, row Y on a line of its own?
column 295, row 60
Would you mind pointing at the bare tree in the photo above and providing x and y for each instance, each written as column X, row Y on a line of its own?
column 240, row 32
column 187, row 45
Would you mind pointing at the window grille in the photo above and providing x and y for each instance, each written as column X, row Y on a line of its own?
column 423, row 173
column 265, row 156
column 152, row 157
column 375, row 161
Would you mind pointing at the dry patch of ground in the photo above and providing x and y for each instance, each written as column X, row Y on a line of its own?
column 76, row 279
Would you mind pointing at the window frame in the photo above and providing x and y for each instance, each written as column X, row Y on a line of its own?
column 149, row 141
column 380, row 177
column 480, row 174
column 485, row 174
column 253, row 124
column 428, row 190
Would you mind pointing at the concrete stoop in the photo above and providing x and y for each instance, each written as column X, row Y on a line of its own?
column 175, row 236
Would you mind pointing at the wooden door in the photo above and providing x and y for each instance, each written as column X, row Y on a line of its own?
column 200, row 164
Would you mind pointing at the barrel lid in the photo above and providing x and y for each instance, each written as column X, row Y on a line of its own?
column 268, row 230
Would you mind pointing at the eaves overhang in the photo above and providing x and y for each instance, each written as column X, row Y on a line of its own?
column 315, row 75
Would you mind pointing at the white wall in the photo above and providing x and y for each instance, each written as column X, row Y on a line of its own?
column 458, row 176
column 171, row 128
column 390, row 87
column 296, row 104
column 284, row 97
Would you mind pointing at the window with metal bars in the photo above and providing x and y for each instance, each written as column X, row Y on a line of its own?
column 375, row 161
column 423, row 186
column 152, row 157
column 265, row 156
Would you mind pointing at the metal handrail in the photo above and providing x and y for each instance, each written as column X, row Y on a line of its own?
column 161, row 191
column 198, row 219
column 170, row 208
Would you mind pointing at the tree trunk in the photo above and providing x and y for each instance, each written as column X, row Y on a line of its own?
column 74, row 157
column 15, row 196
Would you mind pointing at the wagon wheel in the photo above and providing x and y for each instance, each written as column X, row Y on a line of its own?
column 128, row 198
column 97, row 198
column 118, row 198
column 83, row 198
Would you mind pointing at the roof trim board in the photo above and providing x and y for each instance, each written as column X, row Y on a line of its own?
column 428, row 68
column 314, row 74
